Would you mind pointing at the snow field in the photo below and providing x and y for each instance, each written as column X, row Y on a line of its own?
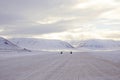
column 56, row 66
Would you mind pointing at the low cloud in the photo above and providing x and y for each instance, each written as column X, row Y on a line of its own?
column 68, row 19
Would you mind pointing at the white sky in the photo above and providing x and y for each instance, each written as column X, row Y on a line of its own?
column 60, row 19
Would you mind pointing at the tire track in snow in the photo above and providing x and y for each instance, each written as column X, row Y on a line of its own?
column 57, row 68
column 46, row 69
column 21, row 67
column 78, row 66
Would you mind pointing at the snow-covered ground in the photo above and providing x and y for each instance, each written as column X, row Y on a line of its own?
column 113, row 56
column 44, row 65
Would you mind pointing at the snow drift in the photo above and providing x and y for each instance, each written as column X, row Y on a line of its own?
column 39, row 44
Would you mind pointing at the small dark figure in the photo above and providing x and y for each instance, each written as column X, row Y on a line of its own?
column 26, row 50
column 71, row 52
column 61, row 52
column 6, row 42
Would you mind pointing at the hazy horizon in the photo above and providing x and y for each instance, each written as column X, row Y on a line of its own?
column 60, row 19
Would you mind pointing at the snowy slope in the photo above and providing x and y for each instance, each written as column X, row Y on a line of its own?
column 38, row 44
column 7, row 45
column 99, row 44
column 74, row 43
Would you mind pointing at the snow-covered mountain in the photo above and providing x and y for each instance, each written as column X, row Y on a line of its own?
column 38, row 44
column 74, row 43
column 99, row 44
column 7, row 45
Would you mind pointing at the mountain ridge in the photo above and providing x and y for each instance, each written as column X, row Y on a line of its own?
column 37, row 44
column 99, row 44
column 7, row 45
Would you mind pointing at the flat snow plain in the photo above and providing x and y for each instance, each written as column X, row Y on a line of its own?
column 43, row 65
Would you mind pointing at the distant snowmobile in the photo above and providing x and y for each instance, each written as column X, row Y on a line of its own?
column 61, row 52
column 71, row 52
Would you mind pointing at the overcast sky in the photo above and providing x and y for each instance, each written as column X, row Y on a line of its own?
column 60, row 19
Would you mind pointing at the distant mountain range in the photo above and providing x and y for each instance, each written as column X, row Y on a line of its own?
column 45, row 44
column 38, row 44
column 99, row 44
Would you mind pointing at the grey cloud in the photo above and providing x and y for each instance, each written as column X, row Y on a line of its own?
column 19, row 17
column 33, row 30
column 10, row 19
column 33, row 4
column 13, row 10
